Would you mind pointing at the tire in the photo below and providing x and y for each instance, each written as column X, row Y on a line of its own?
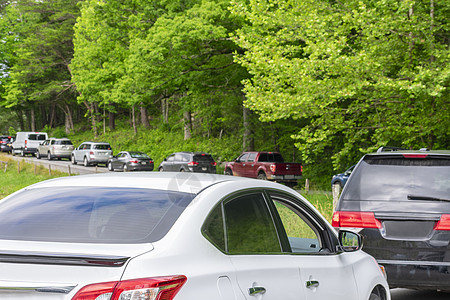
column 49, row 156
column 374, row 296
column 22, row 153
column 262, row 176
column 85, row 162
column 73, row 160
column 13, row 152
column 110, row 166
column 181, row 170
column 228, row 172
column 377, row 294
column 38, row 155
column 125, row 168
column 161, row 169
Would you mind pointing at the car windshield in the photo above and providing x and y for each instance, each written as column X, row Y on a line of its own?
column 138, row 155
column 390, row 178
column 102, row 147
column 91, row 214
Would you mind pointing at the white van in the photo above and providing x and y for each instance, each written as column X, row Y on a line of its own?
column 27, row 142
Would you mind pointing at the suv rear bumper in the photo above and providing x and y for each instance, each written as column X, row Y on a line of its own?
column 417, row 274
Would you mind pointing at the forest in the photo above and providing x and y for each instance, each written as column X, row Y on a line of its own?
column 322, row 81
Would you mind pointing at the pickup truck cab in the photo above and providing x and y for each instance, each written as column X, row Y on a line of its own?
column 266, row 166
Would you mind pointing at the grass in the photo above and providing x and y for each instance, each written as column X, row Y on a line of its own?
column 12, row 180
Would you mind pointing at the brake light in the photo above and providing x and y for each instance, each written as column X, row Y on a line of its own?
column 134, row 161
column 273, row 168
column 91, row 152
column 161, row 288
column 415, row 155
column 355, row 219
column 193, row 163
column 213, row 164
column 443, row 223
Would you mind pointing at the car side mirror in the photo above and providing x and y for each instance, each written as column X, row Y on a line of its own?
column 350, row 241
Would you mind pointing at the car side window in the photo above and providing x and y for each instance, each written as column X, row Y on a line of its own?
column 243, row 157
column 171, row 158
column 178, row 157
column 302, row 234
column 251, row 157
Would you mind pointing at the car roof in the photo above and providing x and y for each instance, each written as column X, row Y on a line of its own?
column 401, row 151
column 172, row 181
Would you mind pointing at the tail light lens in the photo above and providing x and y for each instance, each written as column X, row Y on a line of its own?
column 161, row 288
column 443, row 223
column 193, row 163
column 134, row 161
column 91, row 152
column 273, row 168
column 213, row 164
column 355, row 219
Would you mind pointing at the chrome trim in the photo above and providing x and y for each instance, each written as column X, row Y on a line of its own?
column 40, row 287
column 24, row 257
column 414, row 263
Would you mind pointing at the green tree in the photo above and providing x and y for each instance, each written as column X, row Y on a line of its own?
column 361, row 74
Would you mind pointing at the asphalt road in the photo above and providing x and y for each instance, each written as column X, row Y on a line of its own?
column 62, row 165
column 406, row 294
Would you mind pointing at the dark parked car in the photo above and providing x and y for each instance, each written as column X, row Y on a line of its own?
column 399, row 200
column 130, row 161
column 188, row 162
column 6, row 143
column 342, row 178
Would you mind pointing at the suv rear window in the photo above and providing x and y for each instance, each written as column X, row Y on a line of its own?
column 203, row 158
column 397, row 178
column 91, row 214
column 63, row 142
column 102, row 147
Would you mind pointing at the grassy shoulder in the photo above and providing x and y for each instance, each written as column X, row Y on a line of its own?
column 12, row 180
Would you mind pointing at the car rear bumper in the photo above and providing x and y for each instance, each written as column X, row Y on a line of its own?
column 417, row 274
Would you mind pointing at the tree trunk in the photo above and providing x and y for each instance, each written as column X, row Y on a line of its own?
column 165, row 110
column 111, row 120
column 133, row 119
column 187, row 125
column 32, row 120
column 248, row 141
column 144, row 116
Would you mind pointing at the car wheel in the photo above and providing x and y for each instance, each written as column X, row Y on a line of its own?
column 161, row 169
column 125, row 167
column 74, row 162
column 374, row 296
column 85, row 162
column 181, row 170
column 38, row 155
column 13, row 153
column 228, row 172
column 22, row 153
column 49, row 156
column 262, row 176
column 110, row 166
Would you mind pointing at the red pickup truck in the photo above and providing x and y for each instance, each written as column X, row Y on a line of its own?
column 264, row 165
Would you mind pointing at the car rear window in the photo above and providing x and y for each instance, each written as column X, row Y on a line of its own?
column 138, row 155
column 203, row 158
column 37, row 137
column 91, row 214
column 270, row 157
column 102, row 147
column 396, row 178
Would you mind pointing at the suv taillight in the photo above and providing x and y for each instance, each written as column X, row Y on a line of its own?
column 193, row 163
column 213, row 164
column 443, row 223
column 161, row 288
column 273, row 168
column 355, row 219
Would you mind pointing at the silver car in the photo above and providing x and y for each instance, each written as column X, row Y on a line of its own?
column 92, row 153
column 55, row 148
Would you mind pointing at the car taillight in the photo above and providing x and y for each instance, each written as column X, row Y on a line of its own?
column 213, row 164
column 415, row 155
column 193, row 163
column 273, row 168
column 161, row 288
column 443, row 223
column 91, row 152
column 355, row 219
column 134, row 161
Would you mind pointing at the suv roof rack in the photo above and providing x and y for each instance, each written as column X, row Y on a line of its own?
column 390, row 148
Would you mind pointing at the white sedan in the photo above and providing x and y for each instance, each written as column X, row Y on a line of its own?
column 179, row 236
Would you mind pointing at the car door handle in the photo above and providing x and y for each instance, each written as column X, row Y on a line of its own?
column 312, row 283
column 256, row 290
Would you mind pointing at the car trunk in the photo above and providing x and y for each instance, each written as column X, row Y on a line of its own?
column 45, row 270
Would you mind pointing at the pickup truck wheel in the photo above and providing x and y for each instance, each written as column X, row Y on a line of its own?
column 262, row 176
column 228, row 172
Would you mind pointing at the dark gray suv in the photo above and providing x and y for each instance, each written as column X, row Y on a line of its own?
column 188, row 162
column 399, row 201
